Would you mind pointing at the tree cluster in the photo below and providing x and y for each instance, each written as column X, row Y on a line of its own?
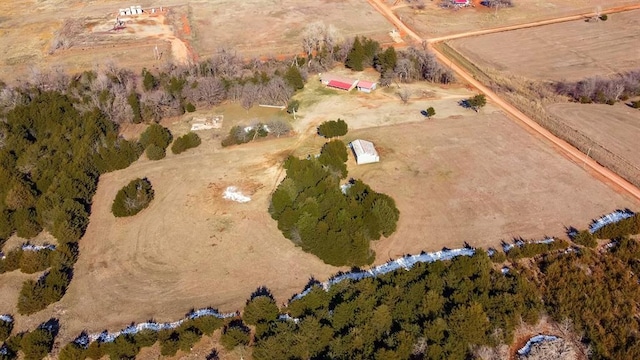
column 132, row 198
column 34, row 345
column 602, row 90
column 241, row 134
column 433, row 311
column 185, row 142
column 532, row 249
column 476, row 103
column 155, row 140
column 127, row 346
column 52, row 154
column 628, row 226
column 313, row 211
column 29, row 262
column 333, row 128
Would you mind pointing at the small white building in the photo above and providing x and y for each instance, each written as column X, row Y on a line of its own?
column 364, row 152
column 366, row 86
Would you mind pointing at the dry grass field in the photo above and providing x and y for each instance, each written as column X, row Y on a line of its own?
column 566, row 51
column 435, row 21
column 616, row 128
column 458, row 177
column 183, row 32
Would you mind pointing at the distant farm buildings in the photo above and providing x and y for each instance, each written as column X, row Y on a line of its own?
column 364, row 152
column 346, row 84
column 132, row 10
column 461, row 2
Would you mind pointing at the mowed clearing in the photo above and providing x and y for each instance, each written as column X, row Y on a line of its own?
column 566, row 51
column 617, row 128
column 477, row 179
column 459, row 177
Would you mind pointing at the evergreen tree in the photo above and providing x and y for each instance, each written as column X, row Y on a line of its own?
column 356, row 56
column 294, row 78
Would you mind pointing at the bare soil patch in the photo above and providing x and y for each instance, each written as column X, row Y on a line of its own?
column 616, row 128
column 565, row 51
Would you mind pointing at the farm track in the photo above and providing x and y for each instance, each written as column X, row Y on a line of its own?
column 600, row 172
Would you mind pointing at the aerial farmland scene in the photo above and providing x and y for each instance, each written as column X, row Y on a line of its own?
column 331, row 179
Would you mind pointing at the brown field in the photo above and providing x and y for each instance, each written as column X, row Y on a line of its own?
column 183, row 32
column 565, row 51
column 458, row 177
column 616, row 128
column 435, row 21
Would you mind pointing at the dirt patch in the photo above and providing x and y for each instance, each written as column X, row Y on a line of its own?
column 566, row 51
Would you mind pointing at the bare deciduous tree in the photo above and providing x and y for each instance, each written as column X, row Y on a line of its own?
column 250, row 95
column 404, row 94
column 279, row 127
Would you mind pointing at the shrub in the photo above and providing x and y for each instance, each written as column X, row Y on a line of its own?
column 635, row 104
column 157, row 135
column 604, row 17
column 155, row 152
column 11, row 261
column 234, row 334
column 132, row 198
column 332, row 128
column 190, row 107
column 185, row 142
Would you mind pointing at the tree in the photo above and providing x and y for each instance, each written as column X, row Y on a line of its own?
column 37, row 344
column 156, row 134
column 477, row 102
column 234, row 334
column 132, row 198
column 431, row 111
column 279, row 127
column 155, row 152
column 356, row 56
column 333, row 128
column 260, row 309
column 185, row 142
column 404, row 94
column 6, row 326
column 294, row 78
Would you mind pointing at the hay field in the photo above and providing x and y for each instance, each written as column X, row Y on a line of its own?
column 617, row 128
column 567, row 51
column 435, row 21
column 258, row 28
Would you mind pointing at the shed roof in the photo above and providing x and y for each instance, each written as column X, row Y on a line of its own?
column 363, row 147
column 366, row 84
column 340, row 85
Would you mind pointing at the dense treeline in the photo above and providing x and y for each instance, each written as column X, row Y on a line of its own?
column 51, row 157
column 316, row 215
column 445, row 309
column 29, row 262
column 602, row 90
column 440, row 310
column 628, row 226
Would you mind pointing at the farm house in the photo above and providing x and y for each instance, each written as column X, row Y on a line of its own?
column 364, row 152
column 338, row 82
column 366, row 86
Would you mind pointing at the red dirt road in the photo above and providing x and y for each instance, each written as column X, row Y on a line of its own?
column 562, row 146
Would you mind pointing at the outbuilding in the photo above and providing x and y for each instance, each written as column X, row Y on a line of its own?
column 366, row 86
column 364, row 152
column 461, row 2
column 338, row 82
